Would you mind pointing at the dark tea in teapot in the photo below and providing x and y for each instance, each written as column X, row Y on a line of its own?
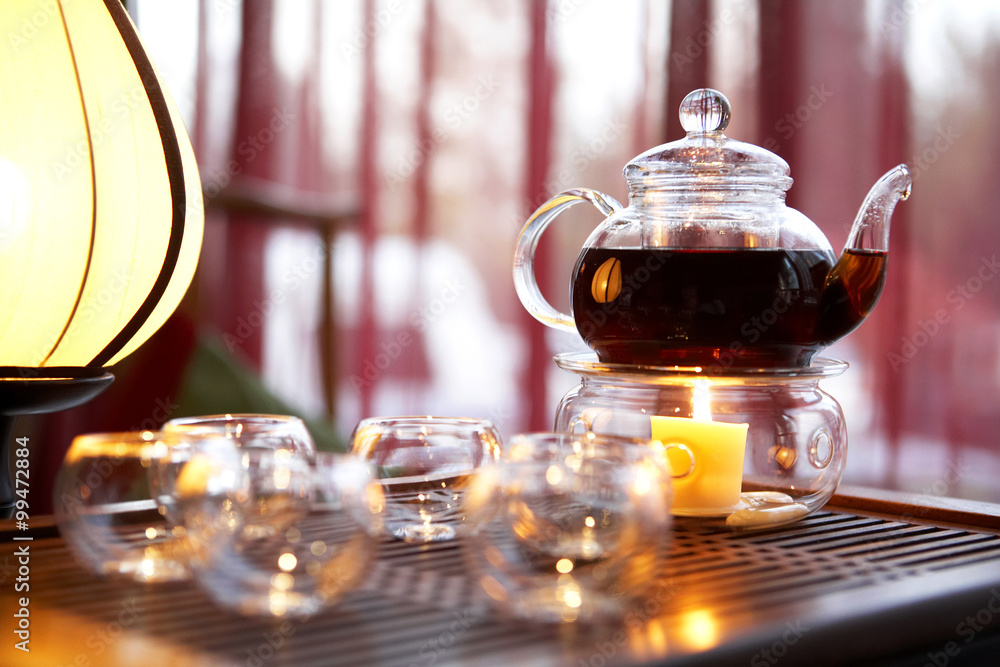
column 692, row 307
column 708, row 266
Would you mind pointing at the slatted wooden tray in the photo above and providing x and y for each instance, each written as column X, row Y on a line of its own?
column 838, row 588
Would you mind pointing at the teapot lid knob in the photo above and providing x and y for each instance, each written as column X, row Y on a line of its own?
column 704, row 111
column 706, row 157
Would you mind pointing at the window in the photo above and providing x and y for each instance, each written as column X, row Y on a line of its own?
column 444, row 125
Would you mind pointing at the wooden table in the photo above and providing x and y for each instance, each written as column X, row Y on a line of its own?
column 873, row 579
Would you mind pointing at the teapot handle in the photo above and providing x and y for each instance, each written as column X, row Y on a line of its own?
column 527, row 243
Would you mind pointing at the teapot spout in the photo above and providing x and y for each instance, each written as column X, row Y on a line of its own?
column 870, row 230
column 855, row 283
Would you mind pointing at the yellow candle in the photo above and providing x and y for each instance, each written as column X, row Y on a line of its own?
column 706, row 460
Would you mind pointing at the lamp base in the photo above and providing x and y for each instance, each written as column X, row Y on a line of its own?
column 28, row 391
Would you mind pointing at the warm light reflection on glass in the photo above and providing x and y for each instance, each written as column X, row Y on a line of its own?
column 656, row 637
column 282, row 581
column 643, row 479
column 701, row 407
column 376, row 499
column 493, row 556
column 699, row 628
column 553, row 475
column 493, row 588
column 278, row 603
column 570, row 596
column 282, row 478
column 287, row 561
column 572, row 599
column 649, row 641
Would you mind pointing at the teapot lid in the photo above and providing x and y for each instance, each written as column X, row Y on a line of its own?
column 706, row 157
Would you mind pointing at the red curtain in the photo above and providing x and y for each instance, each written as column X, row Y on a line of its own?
column 456, row 122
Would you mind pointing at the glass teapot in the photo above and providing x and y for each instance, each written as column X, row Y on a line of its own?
column 707, row 266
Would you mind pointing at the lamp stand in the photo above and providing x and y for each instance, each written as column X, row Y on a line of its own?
column 28, row 391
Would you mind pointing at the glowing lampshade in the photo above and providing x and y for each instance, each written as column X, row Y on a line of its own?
column 101, row 213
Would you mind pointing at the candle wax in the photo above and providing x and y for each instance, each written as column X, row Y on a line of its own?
column 710, row 479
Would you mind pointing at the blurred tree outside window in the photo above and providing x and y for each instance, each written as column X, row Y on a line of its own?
column 422, row 115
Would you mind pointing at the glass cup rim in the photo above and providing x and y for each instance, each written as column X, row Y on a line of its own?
column 552, row 443
column 143, row 435
column 426, row 420
column 252, row 418
column 587, row 365
column 364, row 435
column 202, row 426
column 144, row 443
column 473, row 431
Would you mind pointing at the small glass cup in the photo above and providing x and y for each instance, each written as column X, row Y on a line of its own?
column 105, row 508
column 203, row 487
column 425, row 466
column 258, row 430
column 276, row 451
column 575, row 527
column 309, row 564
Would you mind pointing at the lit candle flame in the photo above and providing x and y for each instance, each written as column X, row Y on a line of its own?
column 701, row 406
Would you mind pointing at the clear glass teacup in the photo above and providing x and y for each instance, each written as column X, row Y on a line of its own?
column 573, row 528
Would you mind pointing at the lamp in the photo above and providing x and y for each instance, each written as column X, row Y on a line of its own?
column 101, row 212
